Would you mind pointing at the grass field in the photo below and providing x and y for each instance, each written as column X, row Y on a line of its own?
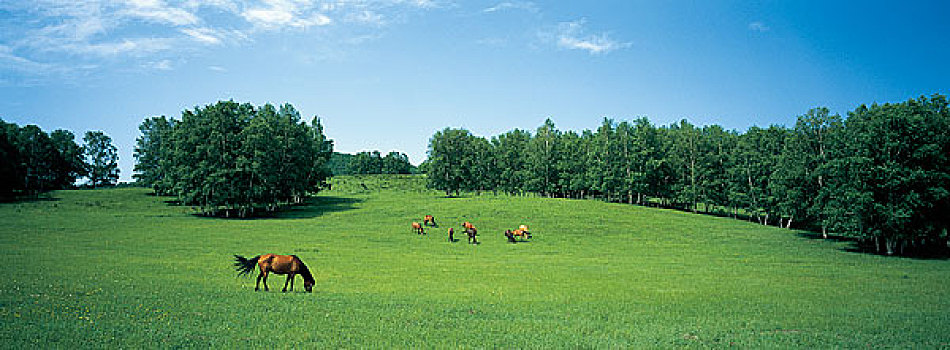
column 120, row 268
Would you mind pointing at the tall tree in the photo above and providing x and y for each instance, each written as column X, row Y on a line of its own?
column 102, row 158
column 11, row 161
column 798, row 179
column 451, row 157
column 69, row 165
column 510, row 150
column 542, row 158
column 151, row 154
column 901, row 151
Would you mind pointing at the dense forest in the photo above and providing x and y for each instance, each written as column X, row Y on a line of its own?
column 33, row 161
column 233, row 159
column 881, row 175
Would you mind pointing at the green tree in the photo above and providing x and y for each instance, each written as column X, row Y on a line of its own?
column 543, row 155
column 367, row 162
column 11, row 161
column 450, row 160
column 70, row 164
column 151, row 154
column 510, row 150
column 396, row 163
column 102, row 158
column 799, row 179
column 900, row 153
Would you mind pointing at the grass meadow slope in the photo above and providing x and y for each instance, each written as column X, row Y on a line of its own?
column 120, row 268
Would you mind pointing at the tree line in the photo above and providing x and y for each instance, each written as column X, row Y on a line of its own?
column 33, row 161
column 234, row 159
column 881, row 175
column 372, row 162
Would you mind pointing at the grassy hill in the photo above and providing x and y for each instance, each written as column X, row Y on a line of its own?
column 121, row 268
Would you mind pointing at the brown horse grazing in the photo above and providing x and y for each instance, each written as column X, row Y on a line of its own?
column 467, row 225
column 417, row 228
column 429, row 219
column 510, row 236
column 289, row 265
column 472, row 232
column 521, row 233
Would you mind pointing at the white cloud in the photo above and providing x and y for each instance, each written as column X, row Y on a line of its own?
column 285, row 13
column 9, row 60
column 159, row 65
column 367, row 17
column 133, row 46
column 517, row 5
column 572, row 36
column 217, row 68
column 203, row 35
column 59, row 36
column 158, row 12
column 758, row 27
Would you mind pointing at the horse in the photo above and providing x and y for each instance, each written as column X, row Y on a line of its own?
column 510, row 236
column 417, row 228
column 289, row 265
column 472, row 232
column 429, row 219
column 467, row 225
column 521, row 233
column 451, row 233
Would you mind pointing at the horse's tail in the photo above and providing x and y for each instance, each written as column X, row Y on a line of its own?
column 244, row 265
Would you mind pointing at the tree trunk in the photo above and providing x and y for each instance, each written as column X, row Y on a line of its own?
column 891, row 245
column 789, row 225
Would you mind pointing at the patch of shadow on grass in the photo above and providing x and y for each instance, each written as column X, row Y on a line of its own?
column 921, row 254
column 45, row 197
column 867, row 247
column 313, row 207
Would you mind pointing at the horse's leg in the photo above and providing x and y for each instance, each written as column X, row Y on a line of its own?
column 265, row 282
column 258, row 285
column 289, row 276
column 292, row 278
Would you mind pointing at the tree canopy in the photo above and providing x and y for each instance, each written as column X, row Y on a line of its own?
column 233, row 158
column 32, row 161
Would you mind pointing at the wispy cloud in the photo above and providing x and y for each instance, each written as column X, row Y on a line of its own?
column 513, row 5
column 9, row 60
column 203, row 35
column 43, row 36
column 367, row 17
column 758, row 27
column 276, row 14
column 136, row 47
column 573, row 36
column 159, row 65
column 157, row 11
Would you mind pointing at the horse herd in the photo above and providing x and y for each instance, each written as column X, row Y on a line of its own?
column 291, row 265
column 470, row 230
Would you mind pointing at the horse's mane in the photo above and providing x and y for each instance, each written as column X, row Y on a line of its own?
column 304, row 270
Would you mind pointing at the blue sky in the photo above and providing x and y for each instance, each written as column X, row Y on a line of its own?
column 385, row 75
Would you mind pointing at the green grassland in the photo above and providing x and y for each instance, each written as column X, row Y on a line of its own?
column 120, row 268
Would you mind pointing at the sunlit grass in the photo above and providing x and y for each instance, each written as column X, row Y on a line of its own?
column 120, row 268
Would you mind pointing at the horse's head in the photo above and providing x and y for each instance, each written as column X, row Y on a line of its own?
column 308, row 285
